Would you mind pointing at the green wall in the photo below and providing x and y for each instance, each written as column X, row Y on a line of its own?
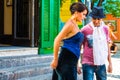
column 49, row 24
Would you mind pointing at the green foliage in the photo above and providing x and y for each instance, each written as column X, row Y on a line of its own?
column 113, row 7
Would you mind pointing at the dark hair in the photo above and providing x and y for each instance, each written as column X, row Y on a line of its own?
column 78, row 6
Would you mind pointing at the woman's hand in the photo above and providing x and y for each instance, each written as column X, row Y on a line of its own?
column 79, row 70
column 54, row 63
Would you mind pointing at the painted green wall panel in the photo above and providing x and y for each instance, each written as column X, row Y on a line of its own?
column 56, row 21
column 49, row 24
column 46, row 21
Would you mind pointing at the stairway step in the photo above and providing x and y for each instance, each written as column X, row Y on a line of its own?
column 23, row 63
column 23, row 72
column 41, row 65
column 47, row 76
column 17, row 51
column 10, row 62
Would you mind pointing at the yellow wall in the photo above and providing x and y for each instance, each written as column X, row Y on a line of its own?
column 65, row 12
column 7, row 19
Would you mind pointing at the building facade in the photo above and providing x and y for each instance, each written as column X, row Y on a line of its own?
column 29, row 23
column 36, row 22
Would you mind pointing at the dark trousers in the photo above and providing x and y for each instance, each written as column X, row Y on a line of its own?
column 67, row 66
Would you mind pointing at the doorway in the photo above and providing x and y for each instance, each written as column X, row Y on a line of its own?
column 19, row 32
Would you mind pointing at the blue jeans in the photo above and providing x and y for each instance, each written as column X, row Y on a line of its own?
column 89, row 70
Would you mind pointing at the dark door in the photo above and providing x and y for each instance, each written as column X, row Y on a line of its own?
column 1, row 17
column 22, row 28
column 36, row 22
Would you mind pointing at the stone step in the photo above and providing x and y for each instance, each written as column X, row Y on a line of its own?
column 47, row 76
column 15, row 61
column 17, row 51
column 22, row 67
column 24, row 72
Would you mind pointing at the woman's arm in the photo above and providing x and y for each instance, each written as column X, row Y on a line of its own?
column 66, row 29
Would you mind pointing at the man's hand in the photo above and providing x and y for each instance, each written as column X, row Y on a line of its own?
column 110, row 68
